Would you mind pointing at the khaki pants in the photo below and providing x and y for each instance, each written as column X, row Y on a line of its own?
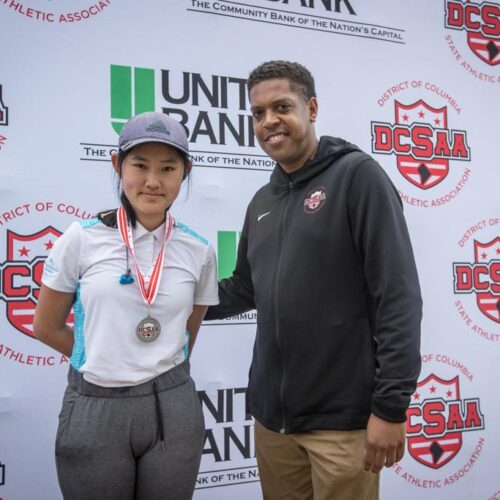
column 314, row 465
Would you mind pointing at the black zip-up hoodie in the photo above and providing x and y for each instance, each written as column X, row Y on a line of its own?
column 325, row 258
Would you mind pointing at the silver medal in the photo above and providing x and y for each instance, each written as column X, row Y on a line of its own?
column 148, row 329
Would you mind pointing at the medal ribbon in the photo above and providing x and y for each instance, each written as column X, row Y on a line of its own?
column 149, row 289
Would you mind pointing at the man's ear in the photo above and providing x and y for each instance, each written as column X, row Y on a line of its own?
column 116, row 165
column 313, row 109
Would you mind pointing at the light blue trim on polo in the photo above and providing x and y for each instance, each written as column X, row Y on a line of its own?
column 188, row 230
column 89, row 222
column 78, row 355
column 185, row 349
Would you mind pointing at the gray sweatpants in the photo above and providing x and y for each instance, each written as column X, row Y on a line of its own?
column 108, row 441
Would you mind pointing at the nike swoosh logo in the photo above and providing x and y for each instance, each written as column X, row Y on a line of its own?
column 262, row 215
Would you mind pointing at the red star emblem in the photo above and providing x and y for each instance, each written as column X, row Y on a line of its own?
column 432, row 389
column 484, row 255
column 421, row 114
column 48, row 245
column 437, row 121
column 449, row 394
column 23, row 252
column 416, row 396
column 406, row 117
column 498, row 251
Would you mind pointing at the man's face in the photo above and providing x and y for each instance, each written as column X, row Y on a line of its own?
column 284, row 122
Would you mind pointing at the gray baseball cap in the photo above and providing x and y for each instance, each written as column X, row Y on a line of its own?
column 153, row 127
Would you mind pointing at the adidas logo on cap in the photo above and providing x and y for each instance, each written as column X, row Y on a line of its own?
column 158, row 126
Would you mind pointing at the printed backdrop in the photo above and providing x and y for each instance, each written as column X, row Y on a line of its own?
column 414, row 83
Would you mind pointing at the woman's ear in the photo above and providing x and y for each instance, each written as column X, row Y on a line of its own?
column 187, row 169
column 116, row 165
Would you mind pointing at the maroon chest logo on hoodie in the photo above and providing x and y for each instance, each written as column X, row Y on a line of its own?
column 315, row 199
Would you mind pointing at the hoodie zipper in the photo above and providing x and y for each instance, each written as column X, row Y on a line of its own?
column 276, row 305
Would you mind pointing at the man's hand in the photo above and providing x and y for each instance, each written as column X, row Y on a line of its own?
column 385, row 443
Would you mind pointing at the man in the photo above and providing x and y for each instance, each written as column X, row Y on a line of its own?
column 326, row 260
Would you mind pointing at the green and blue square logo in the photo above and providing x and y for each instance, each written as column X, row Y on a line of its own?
column 132, row 92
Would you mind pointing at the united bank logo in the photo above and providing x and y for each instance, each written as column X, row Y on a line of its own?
column 339, row 6
column 208, row 103
column 21, row 274
column 422, row 142
column 312, row 15
column 481, row 22
column 437, row 419
column 228, row 455
column 481, row 277
column 132, row 93
column 213, row 109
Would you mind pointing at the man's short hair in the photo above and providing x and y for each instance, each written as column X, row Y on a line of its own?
column 300, row 78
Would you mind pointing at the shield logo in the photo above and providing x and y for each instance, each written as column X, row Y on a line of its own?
column 420, row 172
column 488, row 302
column 25, row 257
column 315, row 199
column 486, row 48
column 436, row 450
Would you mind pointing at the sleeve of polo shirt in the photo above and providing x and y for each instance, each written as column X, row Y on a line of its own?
column 62, row 268
column 206, row 292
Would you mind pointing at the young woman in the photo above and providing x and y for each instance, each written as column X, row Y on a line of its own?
column 139, row 282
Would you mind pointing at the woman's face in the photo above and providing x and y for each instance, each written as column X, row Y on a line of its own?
column 151, row 176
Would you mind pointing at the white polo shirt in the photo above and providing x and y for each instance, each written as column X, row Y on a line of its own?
column 89, row 258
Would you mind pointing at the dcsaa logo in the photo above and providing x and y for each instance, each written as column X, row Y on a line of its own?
column 437, row 419
column 481, row 277
column 315, row 199
column 481, row 21
column 422, row 142
column 21, row 275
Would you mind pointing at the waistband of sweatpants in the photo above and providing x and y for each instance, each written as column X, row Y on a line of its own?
column 174, row 377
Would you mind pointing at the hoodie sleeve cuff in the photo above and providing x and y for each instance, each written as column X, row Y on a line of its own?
column 389, row 413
